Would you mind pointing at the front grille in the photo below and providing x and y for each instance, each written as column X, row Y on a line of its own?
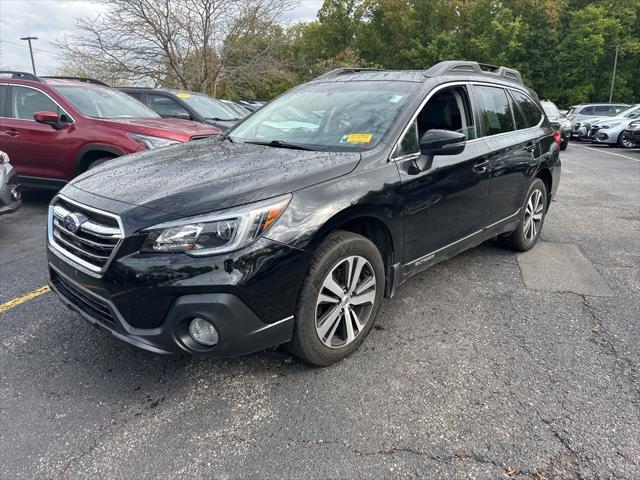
column 593, row 131
column 91, row 305
column 88, row 236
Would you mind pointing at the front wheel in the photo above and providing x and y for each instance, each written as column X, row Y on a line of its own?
column 532, row 216
column 625, row 142
column 339, row 299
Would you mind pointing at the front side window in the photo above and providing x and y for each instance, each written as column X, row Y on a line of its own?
column 335, row 116
column 97, row 102
column 27, row 101
column 166, row 107
column 494, row 110
column 530, row 114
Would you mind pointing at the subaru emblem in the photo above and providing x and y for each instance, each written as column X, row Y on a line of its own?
column 72, row 222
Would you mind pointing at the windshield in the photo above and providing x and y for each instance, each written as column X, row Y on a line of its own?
column 633, row 112
column 241, row 111
column 208, row 107
column 328, row 116
column 550, row 109
column 105, row 103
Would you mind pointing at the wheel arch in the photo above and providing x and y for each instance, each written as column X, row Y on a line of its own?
column 93, row 152
column 546, row 176
column 372, row 227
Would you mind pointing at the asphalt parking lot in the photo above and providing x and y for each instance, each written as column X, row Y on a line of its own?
column 490, row 365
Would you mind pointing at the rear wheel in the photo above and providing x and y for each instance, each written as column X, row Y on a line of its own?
column 532, row 216
column 339, row 299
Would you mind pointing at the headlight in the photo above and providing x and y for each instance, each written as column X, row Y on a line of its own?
column 150, row 142
column 634, row 125
column 4, row 158
column 605, row 126
column 218, row 232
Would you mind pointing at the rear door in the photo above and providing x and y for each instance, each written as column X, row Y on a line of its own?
column 35, row 149
column 513, row 146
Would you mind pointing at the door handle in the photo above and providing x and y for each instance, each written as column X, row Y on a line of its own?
column 13, row 132
column 481, row 166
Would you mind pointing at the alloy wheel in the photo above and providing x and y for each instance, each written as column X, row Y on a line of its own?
column 626, row 141
column 533, row 215
column 345, row 301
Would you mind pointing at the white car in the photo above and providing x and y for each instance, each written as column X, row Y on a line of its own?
column 10, row 197
column 610, row 130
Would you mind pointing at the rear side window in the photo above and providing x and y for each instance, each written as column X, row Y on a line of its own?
column 495, row 111
column 527, row 112
column 27, row 101
column 586, row 111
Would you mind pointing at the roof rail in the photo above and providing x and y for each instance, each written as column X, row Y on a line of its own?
column 450, row 67
column 79, row 79
column 21, row 75
column 343, row 71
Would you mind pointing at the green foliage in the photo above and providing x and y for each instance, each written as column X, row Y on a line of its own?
column 564, row 48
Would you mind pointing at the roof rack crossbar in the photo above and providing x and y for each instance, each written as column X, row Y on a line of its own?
column 79, row 79
column 342, row 71
column 21, row 75
column 454, row 67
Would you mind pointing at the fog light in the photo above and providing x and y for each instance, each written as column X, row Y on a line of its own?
column 15, row 193
column 203, row 332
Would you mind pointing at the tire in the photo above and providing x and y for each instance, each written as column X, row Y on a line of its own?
column 564, row 144
column 97, row 162
column 521, row 239
column 325, row 342
column 624, row 142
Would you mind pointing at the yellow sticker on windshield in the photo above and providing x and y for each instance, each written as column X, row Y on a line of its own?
column 359, row 138
column 183, row 95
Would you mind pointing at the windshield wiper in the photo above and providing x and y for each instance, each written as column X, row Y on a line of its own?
column 281, row 144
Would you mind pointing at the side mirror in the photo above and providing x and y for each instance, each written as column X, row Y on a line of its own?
column 48, row 118
column 442, row 142
column 182, row 116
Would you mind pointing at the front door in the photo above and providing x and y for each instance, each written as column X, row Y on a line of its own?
column 446, row 202
column 35, row 149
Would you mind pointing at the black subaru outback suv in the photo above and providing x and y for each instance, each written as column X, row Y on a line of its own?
column 294, row 226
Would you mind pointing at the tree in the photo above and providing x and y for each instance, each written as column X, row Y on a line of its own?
column 177, row 43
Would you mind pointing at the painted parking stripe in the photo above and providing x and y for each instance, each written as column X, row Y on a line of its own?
column 602, row 150
column 17, row 301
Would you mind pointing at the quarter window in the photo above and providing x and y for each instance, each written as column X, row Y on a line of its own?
column 527, row 112
column 495, row 110
column 409, row 143
column 27, row 101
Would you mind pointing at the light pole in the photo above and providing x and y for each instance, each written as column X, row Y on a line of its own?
column 613, row 78
column 28, row 39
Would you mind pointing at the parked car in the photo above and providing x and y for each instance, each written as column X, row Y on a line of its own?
column 252, row 106
column 54, row 129
column 578, row 114
column 612, row 130
column 273, row 235
column 559, row 122
column 633, row 132
column 10, row 195
column 198, row 107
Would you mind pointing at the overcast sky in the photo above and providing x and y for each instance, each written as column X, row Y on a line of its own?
column 51, row 20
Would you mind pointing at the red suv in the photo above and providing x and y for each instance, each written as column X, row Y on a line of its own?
column 55, row 128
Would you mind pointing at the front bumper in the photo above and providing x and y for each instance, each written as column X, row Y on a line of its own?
column 149, row 300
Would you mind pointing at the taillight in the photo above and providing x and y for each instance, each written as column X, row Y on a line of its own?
column 556, row 137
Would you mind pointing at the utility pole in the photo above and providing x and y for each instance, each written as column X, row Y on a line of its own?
column 28, row 39
column 613, row 78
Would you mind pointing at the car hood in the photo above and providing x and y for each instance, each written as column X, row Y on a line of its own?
column 175, row 126
column 611, row 121
column 209, row 175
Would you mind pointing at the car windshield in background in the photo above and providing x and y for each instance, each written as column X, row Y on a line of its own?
column 550, row 109
column 240, row 111
column 328, row 116
column 207, row 107
column 105, row 103
column 633, row 112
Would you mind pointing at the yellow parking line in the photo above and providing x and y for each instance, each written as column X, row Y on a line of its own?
column 602, row 150
column 17, row 301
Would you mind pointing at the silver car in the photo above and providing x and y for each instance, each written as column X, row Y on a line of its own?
column 583, row 113
column 10, row 196
column 610, row 130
